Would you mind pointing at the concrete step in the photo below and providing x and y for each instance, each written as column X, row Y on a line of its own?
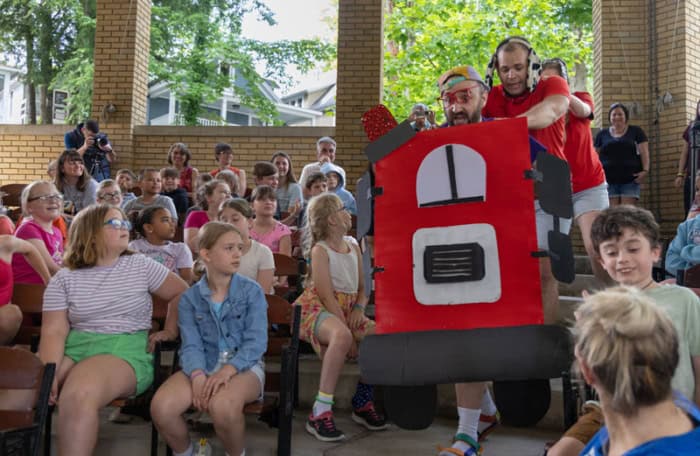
column 310, row 371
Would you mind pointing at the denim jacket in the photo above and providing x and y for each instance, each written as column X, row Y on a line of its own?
column 243, row 325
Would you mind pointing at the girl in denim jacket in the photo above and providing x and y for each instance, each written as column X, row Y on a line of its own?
column 223, row 325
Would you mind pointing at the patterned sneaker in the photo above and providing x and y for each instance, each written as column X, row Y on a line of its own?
column 323, row 428
column 368, row 417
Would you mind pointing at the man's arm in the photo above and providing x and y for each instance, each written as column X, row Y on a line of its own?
column 546, row 112
column 578, row 107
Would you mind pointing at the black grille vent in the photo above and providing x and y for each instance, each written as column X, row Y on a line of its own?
column 453, row 263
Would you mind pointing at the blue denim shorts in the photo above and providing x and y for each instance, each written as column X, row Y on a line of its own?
column 628, row 190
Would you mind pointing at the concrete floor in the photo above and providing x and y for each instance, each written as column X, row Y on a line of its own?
column 133, row 439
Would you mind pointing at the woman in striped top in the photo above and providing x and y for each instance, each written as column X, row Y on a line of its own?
column 96, row 329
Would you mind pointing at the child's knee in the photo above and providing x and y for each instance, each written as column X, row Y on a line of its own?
column 341, row 336
column 224, row 410
column 11, row 317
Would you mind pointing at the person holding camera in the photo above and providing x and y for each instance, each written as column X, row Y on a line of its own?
column 422, row 118
column 93, row 146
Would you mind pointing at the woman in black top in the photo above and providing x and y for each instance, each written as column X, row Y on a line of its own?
column 624, row 153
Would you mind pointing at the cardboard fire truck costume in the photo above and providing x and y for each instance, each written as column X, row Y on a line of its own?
column 457, row 285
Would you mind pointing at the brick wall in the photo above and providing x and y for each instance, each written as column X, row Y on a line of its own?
column 624, row 71
column 360, row 57
column 26, row 150
column 122, row 47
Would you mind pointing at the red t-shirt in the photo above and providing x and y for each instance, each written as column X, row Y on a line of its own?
column 586, row 170
column 499, row 104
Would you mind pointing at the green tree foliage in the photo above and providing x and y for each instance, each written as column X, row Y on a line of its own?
column 194, row 44
column 191, row 42
column 424, row 38
column 40, row 35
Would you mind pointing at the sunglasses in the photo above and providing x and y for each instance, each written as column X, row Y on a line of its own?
column 118, row 224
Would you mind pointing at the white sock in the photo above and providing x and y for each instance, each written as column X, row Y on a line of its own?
column 323, row 404
column 187, row 452
column 468, row 422
column 488, row 407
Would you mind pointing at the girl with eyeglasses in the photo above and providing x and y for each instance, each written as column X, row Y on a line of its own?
column 95, row 323
column 109, row 192
column 41, row 206
column 74, row 182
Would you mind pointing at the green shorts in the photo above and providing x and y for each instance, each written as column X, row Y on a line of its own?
column 129, row 347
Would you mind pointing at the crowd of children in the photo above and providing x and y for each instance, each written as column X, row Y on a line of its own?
column 96, row 329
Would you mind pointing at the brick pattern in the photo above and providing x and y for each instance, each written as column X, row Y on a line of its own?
column 360, row 60
column 26, row 150
column 122, row 47
column 622, row 69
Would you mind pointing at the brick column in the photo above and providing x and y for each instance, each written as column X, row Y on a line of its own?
column 360, row 61
column 626, row 40
column 122, row 47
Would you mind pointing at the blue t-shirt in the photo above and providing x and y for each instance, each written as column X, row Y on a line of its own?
column 688, row 443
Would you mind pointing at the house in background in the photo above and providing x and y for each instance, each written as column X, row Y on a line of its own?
column 13, row 102
column 319, row 97
column 163, row 108
column 305, row 107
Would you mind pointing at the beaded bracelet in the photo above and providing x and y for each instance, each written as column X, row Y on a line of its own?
column 196, row 374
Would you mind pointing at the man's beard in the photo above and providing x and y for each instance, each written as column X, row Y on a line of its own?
column 475, row 117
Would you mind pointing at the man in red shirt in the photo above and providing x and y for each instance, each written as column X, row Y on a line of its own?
column 543, row 103
column 590, row 191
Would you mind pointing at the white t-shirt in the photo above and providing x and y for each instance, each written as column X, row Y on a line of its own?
column 172, row 255
column 107, row 299
column 259, row 257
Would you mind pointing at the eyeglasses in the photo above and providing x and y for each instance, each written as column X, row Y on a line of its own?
column 114, row 195
column 47, row 198
column 463, row 96
column 118, row 224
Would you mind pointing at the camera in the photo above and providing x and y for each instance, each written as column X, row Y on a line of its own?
column 101, row 139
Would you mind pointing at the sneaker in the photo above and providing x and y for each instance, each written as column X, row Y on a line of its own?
column 323, row 428
column 368, row 417
column 487, row 423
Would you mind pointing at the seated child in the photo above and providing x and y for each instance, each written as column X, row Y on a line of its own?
column 126, row 180
column 97, row 314
column 172, row 189
column 333, row 317
column 684, row 251
column 627, row 240
column 257, row 261
column 156, row 228
column 336, row 184
column 10, row 314
column 231, row 179
column 628, row 351
column 221, row 357
column 150, row 184
column 210, row 196
column 108, row 192
column 316, row 184
column 266, row 230
column 41, row 205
